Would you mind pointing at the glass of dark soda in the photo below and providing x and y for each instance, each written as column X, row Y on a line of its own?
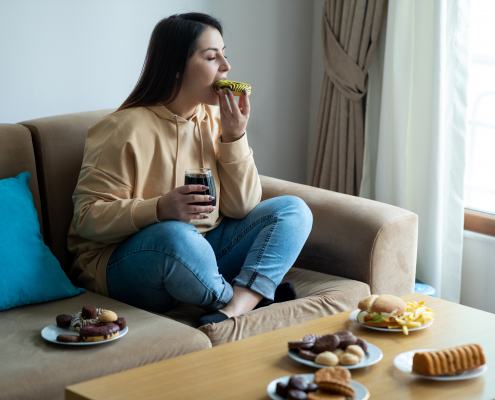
column 202, row 176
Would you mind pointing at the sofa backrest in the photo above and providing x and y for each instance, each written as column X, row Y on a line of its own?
column 59, row 148
column 16, row 156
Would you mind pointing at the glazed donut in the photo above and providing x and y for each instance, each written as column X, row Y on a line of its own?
column 100, row 331
column 235, row 87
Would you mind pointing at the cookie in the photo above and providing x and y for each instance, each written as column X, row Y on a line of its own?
column 312, row 387
column 332, row 374
column 311, row 338
column 301, row 344
column 356, row 350
column 297, row 383
column 346, row 389
column 99, row 332
column 443, row 362
column 307, row 355
column 296, row 395
column 325, row 396
column 121, row 322
column 281, row 389
column 348, row 359
column 89, row 312
column 344, row 333
column 68, row 338
column 107, row 316
column 363, row 344
column 338, row 352
column 347, row 340
column 63, row 320
column 327, row 358
column 327, row 343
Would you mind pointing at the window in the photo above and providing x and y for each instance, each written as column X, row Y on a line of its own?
column 479, row 192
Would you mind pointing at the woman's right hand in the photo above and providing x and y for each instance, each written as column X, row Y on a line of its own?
column 176, row 204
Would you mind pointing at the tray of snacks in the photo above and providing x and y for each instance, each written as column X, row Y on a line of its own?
column 452, row 364
column 330, row 382
column 89, row 326
column 392, row 314
column 340, row 348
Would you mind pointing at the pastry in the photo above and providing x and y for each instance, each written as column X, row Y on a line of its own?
column 68, row 338
column 63, row 320
column 327, row 358
column 121, row 322
column 297, row 383
column 448, row 361
column 356, row 350
column 99, row 332
column 79, row 322
column 327, row 343
column 294, row 394
column 236, row 87
column 89, row 312
column 348, row 359
column 107, row 316
column 307, row 355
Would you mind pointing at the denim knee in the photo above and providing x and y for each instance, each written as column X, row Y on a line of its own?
column 301, row 217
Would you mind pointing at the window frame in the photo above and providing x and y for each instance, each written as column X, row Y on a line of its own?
column 479, row 222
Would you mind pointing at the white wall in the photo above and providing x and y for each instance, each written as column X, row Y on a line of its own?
column 59, row 56
column 478, row 271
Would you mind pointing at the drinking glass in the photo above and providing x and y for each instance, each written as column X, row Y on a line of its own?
column 202, row 176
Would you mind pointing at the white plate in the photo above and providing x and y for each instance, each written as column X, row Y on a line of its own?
column 361, row 392
column 403, row 362
column 372, row 356
column 51, row 332
column 353, row 317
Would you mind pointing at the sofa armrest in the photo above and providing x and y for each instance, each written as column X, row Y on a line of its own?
column 355, row 238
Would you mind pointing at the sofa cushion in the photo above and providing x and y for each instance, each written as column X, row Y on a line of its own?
column 59, row 148
column 319, row 295
column 30, row 273
column 37, row 369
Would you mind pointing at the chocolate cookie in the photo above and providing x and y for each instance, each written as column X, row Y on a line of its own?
column 296, row 395
column 89, row 312
column 311, row 338
column 63, row 320
column 347, row 340
column 307, row 355
column 343, row 333
column 281, row 390
column 121, row 322
column 68, row 338
column 297, row 383
column 363, row 344
column 312, row 387
column 301, row 344
column 327, row 343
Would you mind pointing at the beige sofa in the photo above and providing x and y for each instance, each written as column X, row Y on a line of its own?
column 356, row 247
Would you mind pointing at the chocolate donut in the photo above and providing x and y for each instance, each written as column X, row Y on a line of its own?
column 68, row 338
column 63, row 320
column 327, row 343
column 99, row 332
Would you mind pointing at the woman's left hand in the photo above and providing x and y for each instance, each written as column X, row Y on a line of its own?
column 234, row 118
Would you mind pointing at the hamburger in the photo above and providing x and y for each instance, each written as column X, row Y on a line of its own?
column 380, row 310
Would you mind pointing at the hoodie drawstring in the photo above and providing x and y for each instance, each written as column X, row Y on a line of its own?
column 201, row 140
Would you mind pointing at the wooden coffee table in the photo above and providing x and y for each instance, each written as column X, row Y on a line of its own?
column 243, row 369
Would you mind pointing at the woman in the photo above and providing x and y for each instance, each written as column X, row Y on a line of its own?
column 136, row 236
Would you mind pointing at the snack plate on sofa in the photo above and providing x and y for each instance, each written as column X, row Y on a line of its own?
column 403, row 362
column 353, row 317
column 372, row 356
column 51, row 332
column 361, row 393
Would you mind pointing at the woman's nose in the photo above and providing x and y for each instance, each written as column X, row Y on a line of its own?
column 225, row 66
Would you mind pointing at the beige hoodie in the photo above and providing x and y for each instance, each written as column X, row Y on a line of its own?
column 134, row 156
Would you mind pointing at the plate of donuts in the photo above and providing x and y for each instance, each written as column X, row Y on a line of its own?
column 51, row 332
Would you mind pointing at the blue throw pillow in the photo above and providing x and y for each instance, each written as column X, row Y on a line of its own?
column 29, row 272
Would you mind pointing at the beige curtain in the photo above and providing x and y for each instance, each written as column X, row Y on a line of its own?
column 349, row 34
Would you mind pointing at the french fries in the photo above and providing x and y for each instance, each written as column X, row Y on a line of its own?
column 415, row 316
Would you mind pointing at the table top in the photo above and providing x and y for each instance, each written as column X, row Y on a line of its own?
column 243, row 369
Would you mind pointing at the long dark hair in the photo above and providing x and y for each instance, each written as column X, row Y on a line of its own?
column 173, row 41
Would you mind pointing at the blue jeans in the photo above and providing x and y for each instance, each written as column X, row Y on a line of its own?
column 171, row 261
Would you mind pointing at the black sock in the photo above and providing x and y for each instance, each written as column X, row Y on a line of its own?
column 213, row 318
column 284, row 292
